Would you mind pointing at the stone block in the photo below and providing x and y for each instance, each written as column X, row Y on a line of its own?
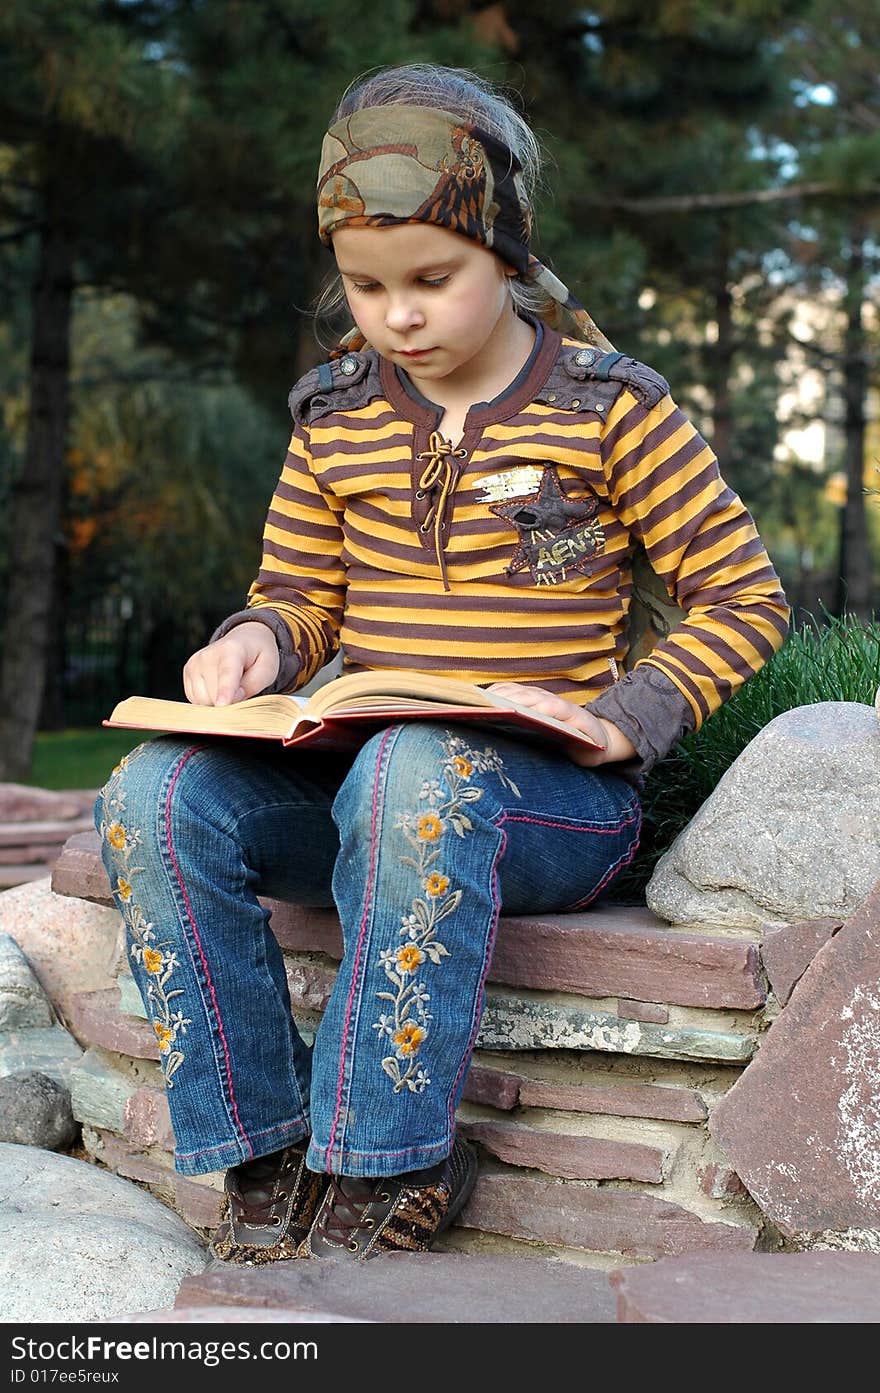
column 751, row 1289
column 492, row 1086
column 612, row 951
column 196, row 1201
column 642, row 1011
column 801, row 1125
column 23, row 803
column 51, row 1050
column 618, row 951
column 99, row 1092
column 451, row 1287
column 540, row 1023
column 232, row 1315
column 595, row 1219
column 147, row 1120
column 23, row 1003
column 788, row 950
column 79, row 871
column 95, row 1019
column 559, row 1153
column 718, row 1181
column 616, row 1099
column 70, row 944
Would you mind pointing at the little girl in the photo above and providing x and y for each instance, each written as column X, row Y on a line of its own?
column 462, row 493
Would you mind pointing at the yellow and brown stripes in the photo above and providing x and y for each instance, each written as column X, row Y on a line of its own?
column 664, row 480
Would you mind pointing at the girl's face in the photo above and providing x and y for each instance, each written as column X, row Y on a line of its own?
column 434, row 302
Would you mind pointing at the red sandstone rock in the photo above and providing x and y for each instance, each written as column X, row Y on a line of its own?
column 21, row 803
column 642, row 1011
column 80, row 872
column 752, row 1289
column 612, row 951
column 616, row 1099
column 788, row 950
column 147, row 1119
column 595, row 1218
column 801, row 1125
column 95, row 1019
column 575, row 1158
column 492, row 1086
column 402, row 1287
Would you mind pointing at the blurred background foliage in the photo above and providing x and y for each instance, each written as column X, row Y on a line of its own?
column 711, row 193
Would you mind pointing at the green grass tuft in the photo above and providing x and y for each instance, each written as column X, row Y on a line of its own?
column 835, row 661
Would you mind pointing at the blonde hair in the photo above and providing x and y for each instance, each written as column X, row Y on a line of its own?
column 477, row 101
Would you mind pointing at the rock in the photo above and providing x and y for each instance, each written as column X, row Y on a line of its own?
column 76, row 1243
column 749, row 1289
column 234, row 1315
column 70, row 944
column 596, row 1219
column 792, row 830
column 21, row 803
column 787, row 952
column 52, row 1051
column 401, row 1287
column 559, row 1153
column 35, row 1111
column 23, row 1003
column 801, row 1125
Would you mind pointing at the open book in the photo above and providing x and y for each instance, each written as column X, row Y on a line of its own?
column 344, row 712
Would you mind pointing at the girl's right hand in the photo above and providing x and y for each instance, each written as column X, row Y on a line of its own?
column 238, row 665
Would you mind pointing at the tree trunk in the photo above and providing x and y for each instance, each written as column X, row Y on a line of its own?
column 35, row 508
column 855, row 583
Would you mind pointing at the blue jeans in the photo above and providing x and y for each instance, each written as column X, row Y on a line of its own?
column 419, row 839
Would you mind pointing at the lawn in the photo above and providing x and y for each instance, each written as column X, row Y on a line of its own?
column 78, row 758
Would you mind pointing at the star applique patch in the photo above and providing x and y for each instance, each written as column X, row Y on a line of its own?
column 557, row 534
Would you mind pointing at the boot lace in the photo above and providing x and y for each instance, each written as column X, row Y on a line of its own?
column 344, row 1206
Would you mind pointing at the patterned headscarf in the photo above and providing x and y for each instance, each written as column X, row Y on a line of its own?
column 387, row 165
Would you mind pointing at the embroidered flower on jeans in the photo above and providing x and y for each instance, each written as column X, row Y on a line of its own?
column 168, row 1025
column 407, row 1024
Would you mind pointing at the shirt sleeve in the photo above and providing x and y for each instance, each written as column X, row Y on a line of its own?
column 300, row 589
column 665, row 485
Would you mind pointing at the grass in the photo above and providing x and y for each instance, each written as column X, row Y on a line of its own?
column 78, row 758
column 838, row 660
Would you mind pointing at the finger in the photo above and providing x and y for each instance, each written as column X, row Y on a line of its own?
column 261, row 673
column 228, row 683
column 198, row 692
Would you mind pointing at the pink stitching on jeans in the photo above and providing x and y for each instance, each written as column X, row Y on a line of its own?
column 490, row 947
column 359, row 945
column 564, row 826
column 618, row 865
column 186, row 900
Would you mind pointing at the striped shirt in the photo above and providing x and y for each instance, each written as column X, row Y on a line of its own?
column 508, row 556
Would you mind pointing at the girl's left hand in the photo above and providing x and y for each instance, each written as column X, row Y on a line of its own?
column 614, row 744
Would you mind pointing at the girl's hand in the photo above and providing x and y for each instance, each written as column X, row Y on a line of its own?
column 614, row 744
column 238, row 665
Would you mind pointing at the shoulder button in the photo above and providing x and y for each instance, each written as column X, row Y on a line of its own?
column 584, row 357
column 348, row 366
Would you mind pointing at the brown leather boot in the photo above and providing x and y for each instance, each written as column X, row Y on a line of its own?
column 360, row 1218
column 268, row 1207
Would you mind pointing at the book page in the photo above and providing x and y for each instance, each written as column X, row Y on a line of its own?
column 272, row 715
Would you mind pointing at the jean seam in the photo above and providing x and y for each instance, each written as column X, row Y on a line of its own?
column 623, row 859
column 339, row 1123
column 479, row 1000
column 189, row 930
